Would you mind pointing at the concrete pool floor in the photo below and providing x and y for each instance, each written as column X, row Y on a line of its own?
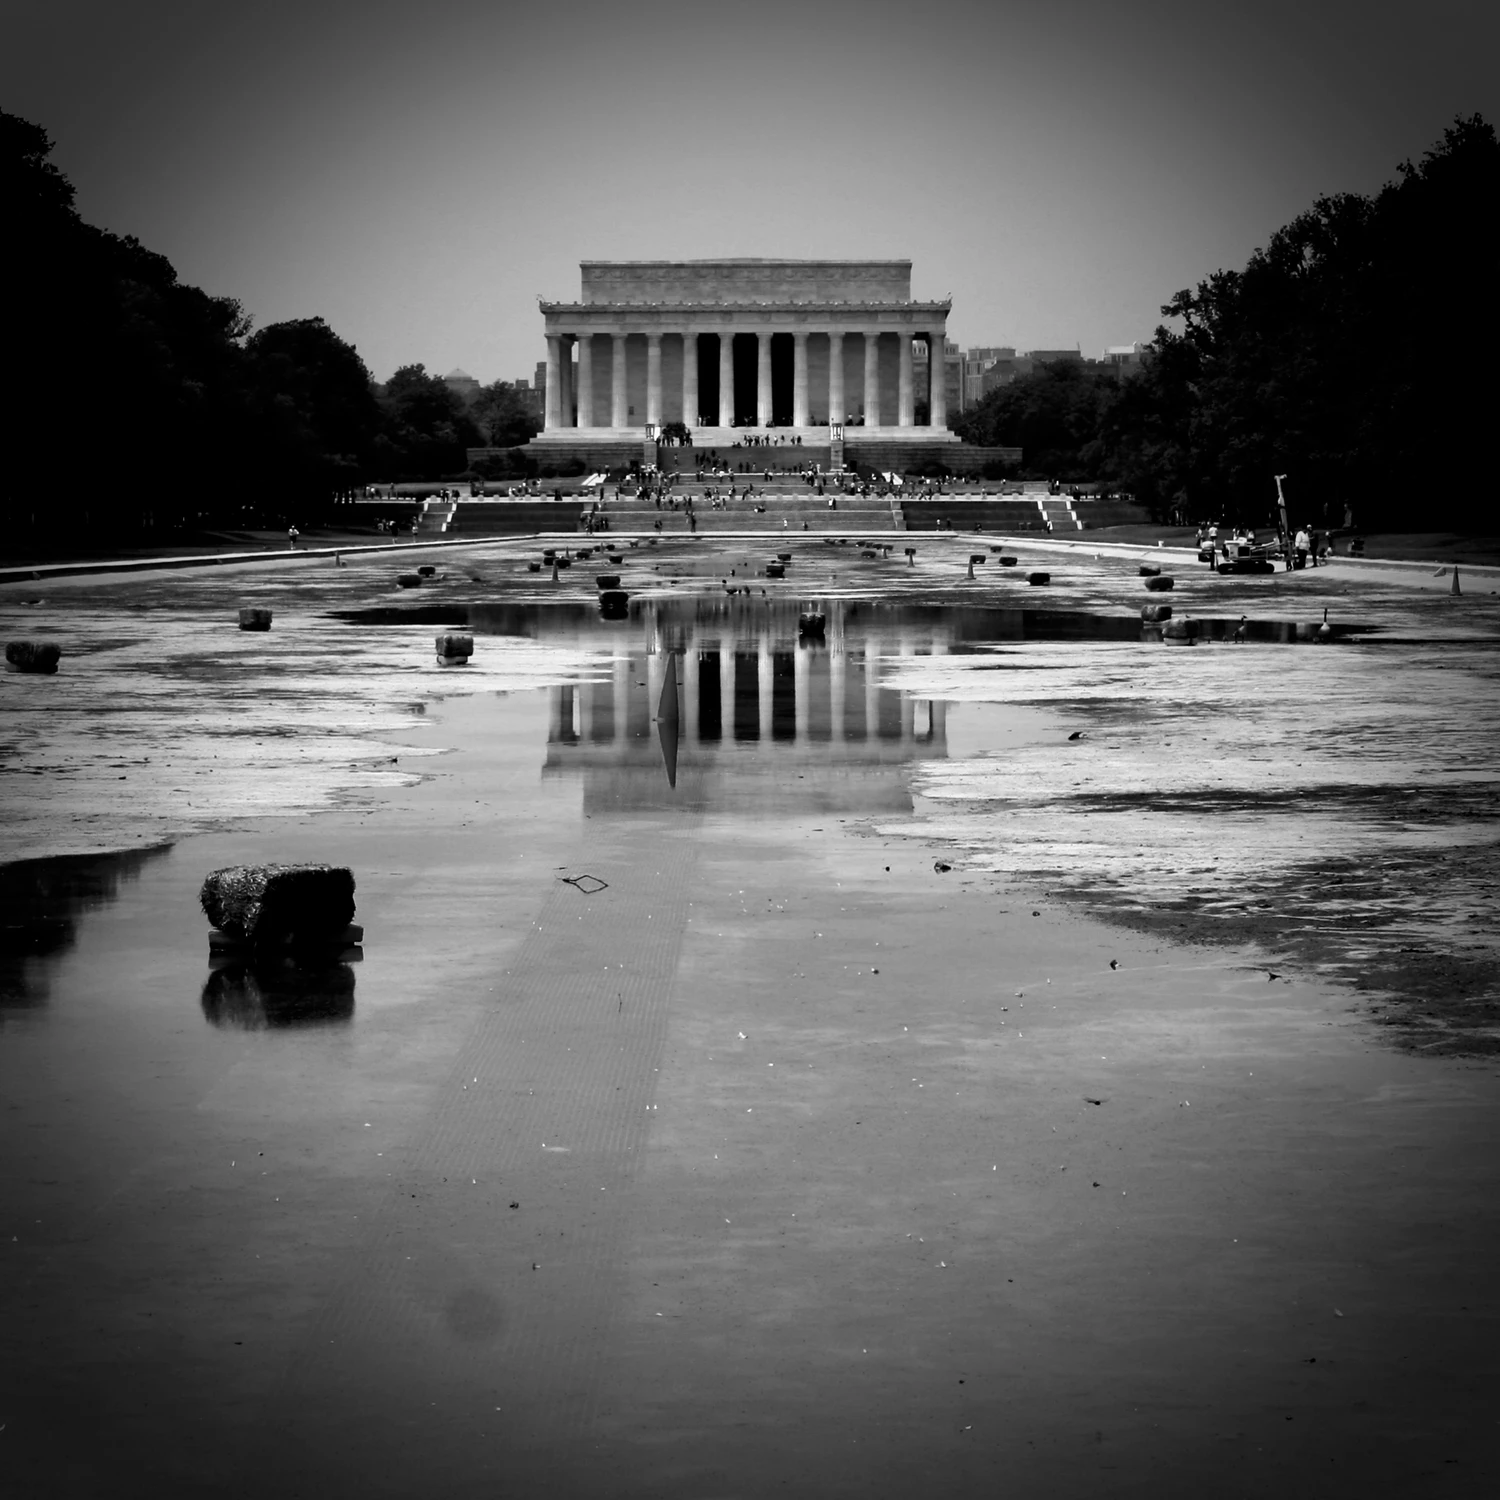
column 785, row 1163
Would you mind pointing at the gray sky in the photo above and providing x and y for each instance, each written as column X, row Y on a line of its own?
column 418, row 174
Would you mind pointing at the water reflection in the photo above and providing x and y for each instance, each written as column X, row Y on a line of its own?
column 271, row 993
column 722, row 703
column 40, row 902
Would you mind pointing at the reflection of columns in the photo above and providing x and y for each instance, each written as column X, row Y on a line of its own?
column 872, row 690
column 618, row 409
column 690, row 693
column 726, row 683
column 554, row 382
column 835, row 377
column 585, row 710
column 799, row 379
column 586, row 380
column 726, row 379
column 763, row 684
column 937, row 379
column 690, row 379
column 655, row 676
column 903, row 389
column 622, row 697
column 802, row 687
column 872, row 377
column 838, row 667
column 653, row 378
column 908, row 703
column 762, row 379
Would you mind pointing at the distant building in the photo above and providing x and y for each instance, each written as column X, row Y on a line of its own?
column 462, row 384
column 1127, row 360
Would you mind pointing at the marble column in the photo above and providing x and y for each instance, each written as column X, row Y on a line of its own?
column 872, row 377
column 554, row 383
column 937, row 379
column 726, row 379
column 763, row 380
column 653, row 378
column 799, row 380
column 619, row 409
column 565, row 381
column 586, row 380
column 835, row 377
column 690, row 379
column 904, row 411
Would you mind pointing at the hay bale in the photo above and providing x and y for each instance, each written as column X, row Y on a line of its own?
column 255, row 619
column 784, row 556
column 617, row 558
column 533, row 567
column 273, row 905
column 975, row 557
column 1149, row 570
column 1180, row 632
column 1159, row 585
column 563, row 562
column 408, row 580
column 614, row 604
column 607, row 580
column 29, row 656
column 427, row 570
column 1038, row 579
column 775, row 570
column 1007, row 561
column 455, row 645
column 1152, row 613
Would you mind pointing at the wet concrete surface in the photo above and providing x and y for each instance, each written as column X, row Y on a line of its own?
column 772, row 1159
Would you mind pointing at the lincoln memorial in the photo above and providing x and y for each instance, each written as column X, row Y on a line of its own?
column 728, row 345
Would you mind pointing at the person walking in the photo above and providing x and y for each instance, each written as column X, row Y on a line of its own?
column 291, row 537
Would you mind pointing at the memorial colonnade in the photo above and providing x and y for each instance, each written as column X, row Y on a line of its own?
column 628, row 376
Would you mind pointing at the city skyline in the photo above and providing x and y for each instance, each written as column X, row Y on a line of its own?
column 419, row 179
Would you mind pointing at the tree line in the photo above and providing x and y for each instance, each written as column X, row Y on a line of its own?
column 1355, row 353
column 143, row 402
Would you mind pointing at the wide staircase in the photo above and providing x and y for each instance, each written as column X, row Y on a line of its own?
column 782, row 509
column 479, row 518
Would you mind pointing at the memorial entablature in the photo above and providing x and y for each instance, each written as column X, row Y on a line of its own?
column 728, row 347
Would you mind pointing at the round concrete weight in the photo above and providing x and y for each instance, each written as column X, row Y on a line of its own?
column 427, row 570
column 408, row 580
column 455, row 645
column 1008, row 562
column 1038, row 579
column 1149, row 570
column 607, row 580
column 1159, row 585
column 255, row 619
column 1152, row 612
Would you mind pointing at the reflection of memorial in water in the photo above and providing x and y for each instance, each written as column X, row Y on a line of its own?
column 766, row 719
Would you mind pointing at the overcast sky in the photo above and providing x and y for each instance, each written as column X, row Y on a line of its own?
column 417, row 174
